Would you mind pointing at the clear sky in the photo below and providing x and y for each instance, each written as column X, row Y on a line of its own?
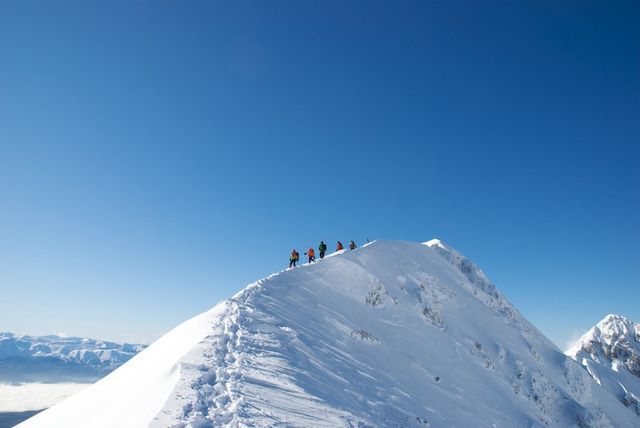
column 157, row 156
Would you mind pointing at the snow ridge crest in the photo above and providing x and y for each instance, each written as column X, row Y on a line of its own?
column 394, row 333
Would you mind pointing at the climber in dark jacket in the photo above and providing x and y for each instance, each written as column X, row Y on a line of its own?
column 322, row 248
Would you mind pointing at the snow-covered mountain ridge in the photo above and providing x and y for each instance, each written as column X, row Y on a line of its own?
column 391, row 334
column 60, row 359
column 610, row 351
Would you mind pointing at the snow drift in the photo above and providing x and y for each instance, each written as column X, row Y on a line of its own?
column 392, row 334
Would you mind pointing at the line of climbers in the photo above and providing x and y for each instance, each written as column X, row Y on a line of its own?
column 294, row 258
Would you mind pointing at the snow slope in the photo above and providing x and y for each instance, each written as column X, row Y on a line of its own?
column 391, row 334
column 55, row 359
column 610, row 352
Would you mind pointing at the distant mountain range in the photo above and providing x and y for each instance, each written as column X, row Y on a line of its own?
column 54, row 359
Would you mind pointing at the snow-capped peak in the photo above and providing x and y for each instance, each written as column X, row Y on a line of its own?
column 392, row 334
column 616, row 326
column 610, row 351
column 443, row 248
column 435, row 242
column 612, row 331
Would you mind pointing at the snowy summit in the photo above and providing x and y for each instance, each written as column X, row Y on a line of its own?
column 610, row 351
column 391, row 334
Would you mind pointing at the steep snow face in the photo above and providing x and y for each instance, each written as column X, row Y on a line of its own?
column 473, row 274
column 610, row 352
column 391, row 334
column 59, row 359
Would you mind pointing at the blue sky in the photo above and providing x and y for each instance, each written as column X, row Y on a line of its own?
column 157, row 156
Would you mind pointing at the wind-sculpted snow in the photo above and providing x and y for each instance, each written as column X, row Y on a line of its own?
column 59, row 359
column 610, row 352
column 393, row 334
